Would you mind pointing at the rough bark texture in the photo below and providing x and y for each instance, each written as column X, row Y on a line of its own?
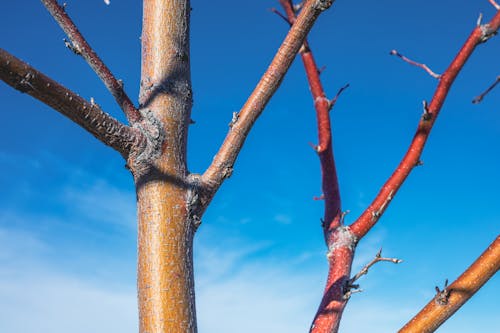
column 222, row 164
column 171, row 201
column 449, row 300
column 165, row 267
column 105, row 128
column 80, row 46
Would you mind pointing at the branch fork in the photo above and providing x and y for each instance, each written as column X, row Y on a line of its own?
column 78, row 45
column 350, row 287
column 487, row 32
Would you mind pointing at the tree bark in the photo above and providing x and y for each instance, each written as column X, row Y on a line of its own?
column 166, row 229
column 165, row 265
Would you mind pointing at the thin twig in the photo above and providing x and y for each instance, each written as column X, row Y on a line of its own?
column 493, row 2
column 479, row 98
column 107, row 129
column 447, row 301
column 351, row 288
column 414, row 63
column 334, row 100
column 79, row 45
column 378, row 258
column 277, row 12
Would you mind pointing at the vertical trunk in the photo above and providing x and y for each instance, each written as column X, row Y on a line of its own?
column 165, row 268
column 165, row 265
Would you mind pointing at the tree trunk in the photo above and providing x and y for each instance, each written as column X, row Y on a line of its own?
column 165, row 268
column 166, row 229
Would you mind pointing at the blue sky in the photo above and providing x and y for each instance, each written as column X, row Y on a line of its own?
column 67, row 215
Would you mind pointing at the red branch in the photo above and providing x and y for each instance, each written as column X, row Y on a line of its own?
column 339, row 239
column 331, row 193
column 371, row 215
column 80, row 46
column 342, row 240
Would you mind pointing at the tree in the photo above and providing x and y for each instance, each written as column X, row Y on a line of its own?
column 166, row 191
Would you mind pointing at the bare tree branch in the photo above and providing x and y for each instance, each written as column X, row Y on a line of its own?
column 351, row 288
column 494, row 3
column 80, row 46
column 412, row 157
column 414, row 63
column 378, row 258
column 223, row 161
column 479, row 98
column 107, row 129
column 339, row 241
column 322, row 105
column 452, row 297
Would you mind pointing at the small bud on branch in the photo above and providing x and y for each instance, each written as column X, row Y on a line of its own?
column 343, row 215
column 234, row 119
column 442, row 296
column 72, row 47
column 321, row 197
column 426, row 116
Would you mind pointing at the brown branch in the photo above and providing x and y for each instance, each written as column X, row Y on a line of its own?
column 80, row 47
column 452, row 297
column 107, row 129
column 414, row 63
column 412, row 157
column 479, row 98
column 223, row 161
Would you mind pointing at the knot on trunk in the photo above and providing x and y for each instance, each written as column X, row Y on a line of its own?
column 341, row 237
column 323, row 4
column 144, row 154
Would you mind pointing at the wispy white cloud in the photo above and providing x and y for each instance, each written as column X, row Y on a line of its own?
column 79, row 193
column 42, row 301
column 242, row 285
column 36, row 297
column 102, row 202
column 283, row 218
column 240, row 288
column 260, row 295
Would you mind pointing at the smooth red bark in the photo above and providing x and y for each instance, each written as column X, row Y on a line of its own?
column 412, row 157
